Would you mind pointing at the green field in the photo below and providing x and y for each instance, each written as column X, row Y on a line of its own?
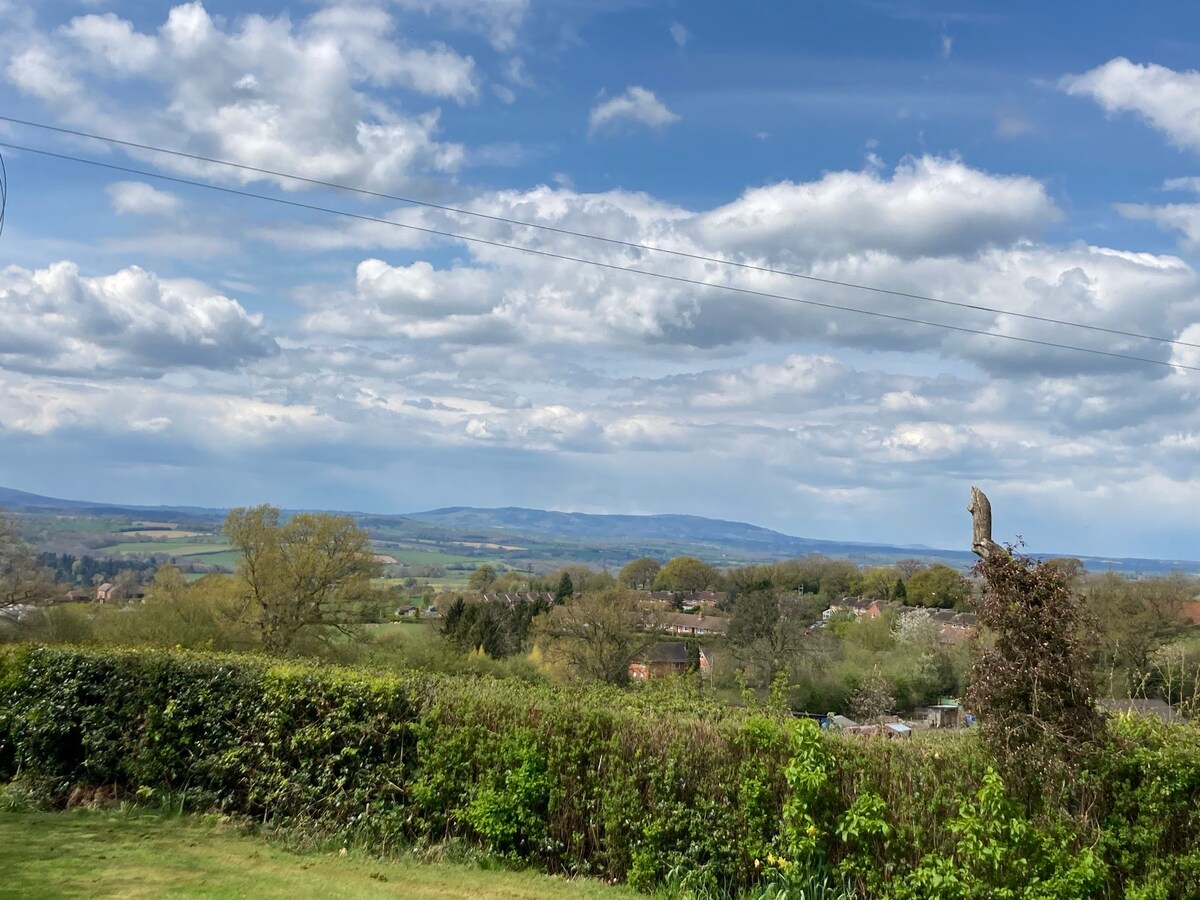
column 226, row 559
column 414, row 557
column 82, row 525
column 185, row 547
column 85, row 853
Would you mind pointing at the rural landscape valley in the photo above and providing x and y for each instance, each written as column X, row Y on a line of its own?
column 517, row 687
column 599, row 448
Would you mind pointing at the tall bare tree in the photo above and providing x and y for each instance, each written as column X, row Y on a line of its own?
column 597, row 635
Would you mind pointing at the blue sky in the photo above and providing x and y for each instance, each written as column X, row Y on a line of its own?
column 163, row 343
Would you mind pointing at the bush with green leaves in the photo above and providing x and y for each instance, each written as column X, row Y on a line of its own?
column 659, row 787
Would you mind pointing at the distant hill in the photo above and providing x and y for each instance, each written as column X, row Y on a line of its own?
column 21, row 501
column 561, row 537
column 693, row 529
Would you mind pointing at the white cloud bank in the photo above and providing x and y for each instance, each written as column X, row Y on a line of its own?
column 261, row 91
column 933, row 226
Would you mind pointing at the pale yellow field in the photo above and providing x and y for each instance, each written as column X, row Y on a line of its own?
column 163, row 533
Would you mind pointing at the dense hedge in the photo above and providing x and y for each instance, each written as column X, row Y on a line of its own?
column 628, row 786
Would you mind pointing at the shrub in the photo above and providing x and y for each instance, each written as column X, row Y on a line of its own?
column 655, row 787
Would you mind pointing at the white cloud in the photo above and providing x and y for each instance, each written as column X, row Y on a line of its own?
column 261, row 91
column 498, row 20
column 932, row 227
column 111, row 42
column 130, row 322
column 141, row 199
column 1181, row 217
column 1166, row 99
column 679, row 34
column 929, row 206
column 637, row 104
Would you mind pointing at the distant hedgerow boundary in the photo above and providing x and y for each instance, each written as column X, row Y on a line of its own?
column 641, row 787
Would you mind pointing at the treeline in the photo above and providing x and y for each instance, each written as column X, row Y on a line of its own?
column 309, row 586
column 87, row 571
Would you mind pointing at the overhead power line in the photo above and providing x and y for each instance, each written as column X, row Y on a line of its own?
column 567, row 232
column 3, row 192
column 548, row 254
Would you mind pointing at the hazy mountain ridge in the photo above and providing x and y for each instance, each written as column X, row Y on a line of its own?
column 598, row 536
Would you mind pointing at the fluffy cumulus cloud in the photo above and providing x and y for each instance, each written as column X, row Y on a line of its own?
column 934, row 227
column 128, row 323
column 261, row 91
column 637, row 106
column 929, row 206
column 1168, row 100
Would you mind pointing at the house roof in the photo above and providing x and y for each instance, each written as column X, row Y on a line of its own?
column 513, row 599
column 668, row 652
column 1142, row 707
column 712, row 624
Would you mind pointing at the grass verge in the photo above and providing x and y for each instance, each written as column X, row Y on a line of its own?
column 124, row 853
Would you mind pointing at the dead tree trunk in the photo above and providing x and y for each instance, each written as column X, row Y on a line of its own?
column 981, row 520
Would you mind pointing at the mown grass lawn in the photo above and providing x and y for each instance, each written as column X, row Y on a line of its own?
column 89, row 853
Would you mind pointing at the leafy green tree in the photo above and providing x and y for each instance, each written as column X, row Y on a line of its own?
column 878, row 583
column 938, row 586
column 512, row 582
column 176, row 612
column 22, row 581
column 899, row 592
column 1136, row 619
column 767, row 630
column 311, row 574
column 482, row 578
column 565, row 588
column 493, row 626
column 686, row 573
column 640, row 573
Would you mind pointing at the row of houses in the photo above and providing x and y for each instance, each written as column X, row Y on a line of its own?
column 105, row 593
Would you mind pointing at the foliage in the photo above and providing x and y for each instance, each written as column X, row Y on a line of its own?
column 1033, row 687
column 686, row 573
column 23, row 580
column 482, row 578
column 493, row 626
column 565, row 588
column 640, row 573
column 873, row 698
column 1135, row 620
column 597, row 635
column 937, row 586
column 768, row 629
column 312, row 573
column 650, row 787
